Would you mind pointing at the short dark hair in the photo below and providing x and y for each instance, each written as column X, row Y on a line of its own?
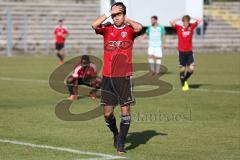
column 122, row 5
column 86, row 58
column 186, row 17
column 155, row 17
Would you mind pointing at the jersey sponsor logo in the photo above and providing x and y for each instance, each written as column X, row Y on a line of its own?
column 113, row 45
column 124, row 34
column 186, row 33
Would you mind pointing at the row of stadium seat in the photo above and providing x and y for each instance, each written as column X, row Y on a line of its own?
column 33, row 24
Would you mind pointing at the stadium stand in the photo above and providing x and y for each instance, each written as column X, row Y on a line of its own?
column 34, row 21
column 224, row 26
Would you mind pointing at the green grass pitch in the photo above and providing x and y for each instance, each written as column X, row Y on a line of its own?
column 201, row 124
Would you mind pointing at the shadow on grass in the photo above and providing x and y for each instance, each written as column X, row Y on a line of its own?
column 195, row 86
column 137, row 138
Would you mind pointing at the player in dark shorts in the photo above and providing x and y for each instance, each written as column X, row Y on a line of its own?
column 186, row 58
column 84, row 73
column 117, row 69
column 61, row 33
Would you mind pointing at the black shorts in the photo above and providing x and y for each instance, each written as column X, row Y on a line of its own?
column 85, row 81
column 186, row 59
column 59, row 46
column 117, row 90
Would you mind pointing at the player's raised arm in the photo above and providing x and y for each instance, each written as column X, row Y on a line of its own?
column 198, row 20
column 136, row 26
column 174, row 21
column 101, row 19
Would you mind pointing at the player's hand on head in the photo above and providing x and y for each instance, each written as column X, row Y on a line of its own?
column 116, row 10
column 126, row 19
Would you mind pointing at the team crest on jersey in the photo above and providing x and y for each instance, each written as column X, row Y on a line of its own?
column 124, row 34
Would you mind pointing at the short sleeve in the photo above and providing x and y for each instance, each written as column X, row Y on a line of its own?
column 194, row 25
column 76, row 70
column 163, row 30
column 135, row 34
column 177, row 27
column 94, row 67
column 100, row 30
column 148, row 31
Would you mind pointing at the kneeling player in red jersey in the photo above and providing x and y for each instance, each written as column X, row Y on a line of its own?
column 84, row 74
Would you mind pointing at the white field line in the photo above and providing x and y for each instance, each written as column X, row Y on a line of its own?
column 215, row 90
column 45, row 81
column 101, row 156
column 22, row 80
